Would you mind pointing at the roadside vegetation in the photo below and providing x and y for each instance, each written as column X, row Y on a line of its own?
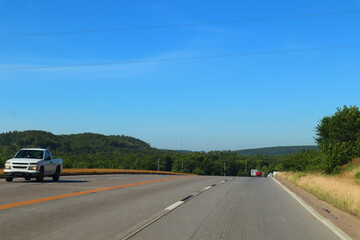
column 338, row 139
column 341, row 190
column 333, row 173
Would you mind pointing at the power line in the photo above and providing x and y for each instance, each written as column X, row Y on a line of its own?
column 183, row 58
column 176, row 25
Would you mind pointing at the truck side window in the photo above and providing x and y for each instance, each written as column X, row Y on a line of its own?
column 47, row 154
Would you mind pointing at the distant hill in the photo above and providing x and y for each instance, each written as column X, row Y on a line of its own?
column 87, row 150
column 82, row 143
column 179, row 151
column 275, row 151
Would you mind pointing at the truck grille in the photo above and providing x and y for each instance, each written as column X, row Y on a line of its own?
column 23, row 167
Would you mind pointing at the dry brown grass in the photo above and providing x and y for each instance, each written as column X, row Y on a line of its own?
column 85, row 171
column 342, row 190
column 75, row 171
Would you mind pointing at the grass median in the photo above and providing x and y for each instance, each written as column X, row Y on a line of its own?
column 341, row 190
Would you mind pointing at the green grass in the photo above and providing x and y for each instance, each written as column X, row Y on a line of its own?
column 294, row 178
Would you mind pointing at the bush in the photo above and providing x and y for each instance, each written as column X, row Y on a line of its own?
column 332, row 157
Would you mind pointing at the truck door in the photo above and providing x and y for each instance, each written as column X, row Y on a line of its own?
column 49, row 165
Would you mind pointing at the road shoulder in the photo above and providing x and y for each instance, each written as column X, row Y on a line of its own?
column 345, row 221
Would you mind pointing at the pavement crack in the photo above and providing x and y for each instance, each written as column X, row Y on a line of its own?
column 329, row 212
column 208, row 216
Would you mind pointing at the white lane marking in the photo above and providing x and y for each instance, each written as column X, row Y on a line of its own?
column 175, row 205
column 326, row 222
column 207, row 188
column 165, row 212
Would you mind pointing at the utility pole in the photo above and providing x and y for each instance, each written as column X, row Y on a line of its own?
column 224, row 168
column 181, row 144
column 182, row 161
column 158, row 164
column 246, row 166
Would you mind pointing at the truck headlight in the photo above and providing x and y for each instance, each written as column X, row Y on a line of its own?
column 33, row 168
column 7, row 167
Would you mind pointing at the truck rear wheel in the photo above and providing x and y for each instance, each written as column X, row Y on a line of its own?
column 56, row 176
column 9, row 179
column 40, row 177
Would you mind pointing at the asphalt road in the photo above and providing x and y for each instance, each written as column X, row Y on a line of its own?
column 114, row 206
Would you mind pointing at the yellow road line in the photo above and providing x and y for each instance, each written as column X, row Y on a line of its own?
column 12, row 205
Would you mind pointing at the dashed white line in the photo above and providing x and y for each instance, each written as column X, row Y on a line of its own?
column 169, row 209
column 175, row 205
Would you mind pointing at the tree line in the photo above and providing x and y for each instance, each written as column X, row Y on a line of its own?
column 338, row 139
column 88, row 150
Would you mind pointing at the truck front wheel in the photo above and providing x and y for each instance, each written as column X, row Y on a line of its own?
column 56, row 176
column 40, row 177
column 9, row 179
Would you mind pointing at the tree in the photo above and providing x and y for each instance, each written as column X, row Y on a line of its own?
column 338, row 138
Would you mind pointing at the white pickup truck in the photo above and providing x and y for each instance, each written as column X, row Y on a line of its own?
column 33, row 163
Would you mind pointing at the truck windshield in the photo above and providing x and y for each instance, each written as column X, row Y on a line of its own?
column 30, row 154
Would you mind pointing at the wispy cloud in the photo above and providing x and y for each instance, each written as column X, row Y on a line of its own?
column 89, row 72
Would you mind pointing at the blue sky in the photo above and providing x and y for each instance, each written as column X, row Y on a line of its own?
column 204, row 104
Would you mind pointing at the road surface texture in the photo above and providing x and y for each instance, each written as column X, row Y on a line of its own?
column 115, row 206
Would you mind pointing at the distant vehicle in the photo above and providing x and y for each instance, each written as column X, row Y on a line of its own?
column 258, row 174
column 253, row 172
column 33, row 163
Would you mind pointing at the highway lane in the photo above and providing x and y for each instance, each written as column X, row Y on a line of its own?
column 241, row 208
column 109, row 214
column 244, row 208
